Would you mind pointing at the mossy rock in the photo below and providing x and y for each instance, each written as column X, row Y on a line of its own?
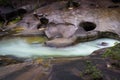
column 14, row 20
column 91, row 72
column 1, row 23
column 108, row 34
column 18, row 29
column 113, row 52
column 6, row 60
column 36, row 39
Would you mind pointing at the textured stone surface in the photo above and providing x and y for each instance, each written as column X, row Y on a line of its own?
column 60, row 42
column 58, row 68
column 64, row 30
column 106, row 19
column 90, row 10
column 67, row 22
column 7, row 60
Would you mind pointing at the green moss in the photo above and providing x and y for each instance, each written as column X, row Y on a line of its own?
column 1, row 24
column 113, row 52
column 15, row 20
column 108, row 34
column 96, row 75
column 92, row 71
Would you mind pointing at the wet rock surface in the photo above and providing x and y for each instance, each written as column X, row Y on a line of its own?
column 67, row 22
column 59, row 68
column 103, row 44
column 8, row 60
column 57, row 14
column 107, row 25
column 60, row 42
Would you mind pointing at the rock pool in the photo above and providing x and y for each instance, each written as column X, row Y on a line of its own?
column 19, row 47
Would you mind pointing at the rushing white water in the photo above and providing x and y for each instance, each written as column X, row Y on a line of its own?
column 20, row 48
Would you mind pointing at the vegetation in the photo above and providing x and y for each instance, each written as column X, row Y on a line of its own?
column 15, row 20
column 6, row 60
column 92, row 72
column 108, row 34
column 71, row 4
column 4, row 2
column 1, row 23
column 113, row 52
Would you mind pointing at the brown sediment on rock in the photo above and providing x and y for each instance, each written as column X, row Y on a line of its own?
column 93, row 35
column 8, row 60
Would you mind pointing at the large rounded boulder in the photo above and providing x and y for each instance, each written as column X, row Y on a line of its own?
column 61, row 30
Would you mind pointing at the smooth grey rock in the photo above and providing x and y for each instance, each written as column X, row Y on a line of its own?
column 60, row 42
column 64, row 30
column 104, row 44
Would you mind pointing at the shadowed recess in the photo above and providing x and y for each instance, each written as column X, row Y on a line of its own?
column 88, row 26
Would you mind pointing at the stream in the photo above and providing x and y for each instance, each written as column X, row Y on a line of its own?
column 19, row 47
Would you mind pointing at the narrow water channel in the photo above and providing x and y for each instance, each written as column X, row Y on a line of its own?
column 19, row 47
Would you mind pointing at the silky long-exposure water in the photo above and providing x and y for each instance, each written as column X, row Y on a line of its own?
column 20, row 48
